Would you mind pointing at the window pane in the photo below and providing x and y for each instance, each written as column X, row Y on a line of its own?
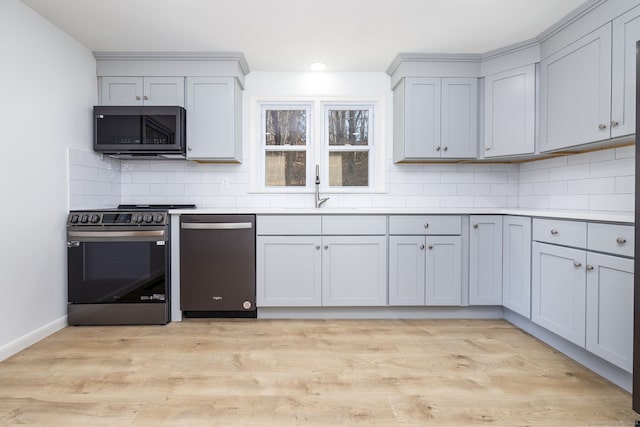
column 349, row 169
column 286, row 127
column 286, row 168
column 348, row 127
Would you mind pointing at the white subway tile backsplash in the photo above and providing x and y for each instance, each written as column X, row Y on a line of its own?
column 569, row 202
column 591, row 157
column 626, row 152
column 625, row 184
column 135, row 165
column 423, row 177
column 569, row 172
column 504, row 189
column 533, row 202
column 618, row 167
column 166, row 189
column 423, row 202
column 549, row 188
column 491, row 177
column 612, row 202
column 591, row 186
column 474, row 189
column 456, row 202
column 489, row 201
column 167, row 166
column 535, row 175
column 440, row 189
column 457, row 177
column 150, row 178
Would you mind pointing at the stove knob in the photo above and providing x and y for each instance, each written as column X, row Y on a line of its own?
column 84, row 218
column 158, row 217
column 74, row 218
column 95, row 218
column 138, row 218
column 148, row 218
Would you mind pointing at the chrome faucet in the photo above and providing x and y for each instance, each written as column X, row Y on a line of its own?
column 319, row 201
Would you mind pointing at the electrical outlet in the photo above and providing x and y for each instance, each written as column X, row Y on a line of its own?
column 225, row 183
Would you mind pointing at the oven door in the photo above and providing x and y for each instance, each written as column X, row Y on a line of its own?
column 117, row 266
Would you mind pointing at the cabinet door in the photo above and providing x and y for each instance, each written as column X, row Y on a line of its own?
column 422, row 117
column 354, row 271
column 485, row 260
column 459, row 125
column 626, row 31
column 610, row 309
column 444, row 270
column 164, row 91
column 406, row 270
column 213, row 121
column 288, row 271
column 516, row 264
column 509, row 112
column 575, row 97
column 558, row 290
column 121, row 91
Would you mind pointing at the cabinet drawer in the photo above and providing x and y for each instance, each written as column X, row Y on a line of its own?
column 354, row 225
column 289, row 225
column 559, row 232
column 615, row 239
column 425, row 224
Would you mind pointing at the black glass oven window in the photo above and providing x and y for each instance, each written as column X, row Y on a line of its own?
column 117, row 272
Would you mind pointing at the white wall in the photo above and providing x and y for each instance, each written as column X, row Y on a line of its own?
column 48, row 86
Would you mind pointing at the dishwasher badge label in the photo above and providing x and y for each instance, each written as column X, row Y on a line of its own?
column 216, row 298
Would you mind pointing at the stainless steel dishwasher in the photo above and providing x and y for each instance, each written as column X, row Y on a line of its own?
column 218, row 265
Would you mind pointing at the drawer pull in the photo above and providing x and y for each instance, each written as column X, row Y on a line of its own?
column 422, row 247
column 577, row 264
column 426, row 225
column 430, row 247
column 318, row 247
column 554, row 232
column 621, row 240
column 589, row 267
column 326, row 247
column 475, row 225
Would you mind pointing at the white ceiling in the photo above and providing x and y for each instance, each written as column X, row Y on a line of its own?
column 288, row 35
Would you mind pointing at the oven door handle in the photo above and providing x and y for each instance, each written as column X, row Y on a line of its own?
column 216, row 225
column 116, row 235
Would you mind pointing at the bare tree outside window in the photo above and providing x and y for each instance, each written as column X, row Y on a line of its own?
column 348, row 144
column 286, row 145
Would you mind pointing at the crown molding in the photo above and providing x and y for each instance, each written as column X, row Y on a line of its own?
column 175, row 56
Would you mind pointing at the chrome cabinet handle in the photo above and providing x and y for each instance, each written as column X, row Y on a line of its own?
column 554, row 232
column 621, row 240
column 146, row 97
column 189, row 148
column 614, row 124
column 437, row 148
column 446, row 148
column 577, row 264
column 602, row 126
column 326, row 247
column 589, row 267
column 426, row 225
column 475, row 225
column 487, row 148
column 430, row 247
column 422, row 247
column 318, row 247
column 137, row 98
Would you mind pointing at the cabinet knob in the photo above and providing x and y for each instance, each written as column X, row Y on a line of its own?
column 326, row 247
column 430, row 247
column 475, row 225
column 621, row 240
column 577, row 264
column 602, row 126
column 189, row 148
column 422, row 247
column 446, row 148
column 487, row 148
column 589, row 267
column 614, row 124
column 137, row 98
column 554, row 232
column 426, row 225
column 146, row 98
column 318, row 247
column 438, row 148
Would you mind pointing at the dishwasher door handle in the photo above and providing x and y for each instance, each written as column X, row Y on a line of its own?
column 216, row 225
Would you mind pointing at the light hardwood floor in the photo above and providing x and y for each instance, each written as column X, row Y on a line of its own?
column 305, row 373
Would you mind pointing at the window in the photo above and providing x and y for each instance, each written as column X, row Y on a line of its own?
column 340, row 140
column 348, row 145
column 285, row 142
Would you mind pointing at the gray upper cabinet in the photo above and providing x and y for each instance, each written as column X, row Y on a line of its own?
column 509, row 112
column 435, row 118
column 626, row 31
column 214, row 119
column 117, row 90
column 575, row 97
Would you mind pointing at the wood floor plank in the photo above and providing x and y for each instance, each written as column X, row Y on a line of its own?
column 305, row 373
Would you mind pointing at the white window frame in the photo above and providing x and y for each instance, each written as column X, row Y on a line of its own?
column 369, row 148
column 308, row 148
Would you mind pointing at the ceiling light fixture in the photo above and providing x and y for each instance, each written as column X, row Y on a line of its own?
column 317, row 66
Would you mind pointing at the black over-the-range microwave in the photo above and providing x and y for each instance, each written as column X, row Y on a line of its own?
column 138, row 132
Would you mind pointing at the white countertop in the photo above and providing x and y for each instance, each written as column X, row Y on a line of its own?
column 561, row 214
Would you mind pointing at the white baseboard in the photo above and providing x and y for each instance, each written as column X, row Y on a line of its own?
column 32, row 337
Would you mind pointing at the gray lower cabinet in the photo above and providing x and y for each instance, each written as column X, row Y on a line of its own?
column 610, row 308
column 516, row 264
column 558, row 290
column 354, row 271
column 288, row 271
column 425, row 260
column 485, row 260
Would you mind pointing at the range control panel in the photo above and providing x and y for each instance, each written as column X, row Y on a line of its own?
column 119, row 218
